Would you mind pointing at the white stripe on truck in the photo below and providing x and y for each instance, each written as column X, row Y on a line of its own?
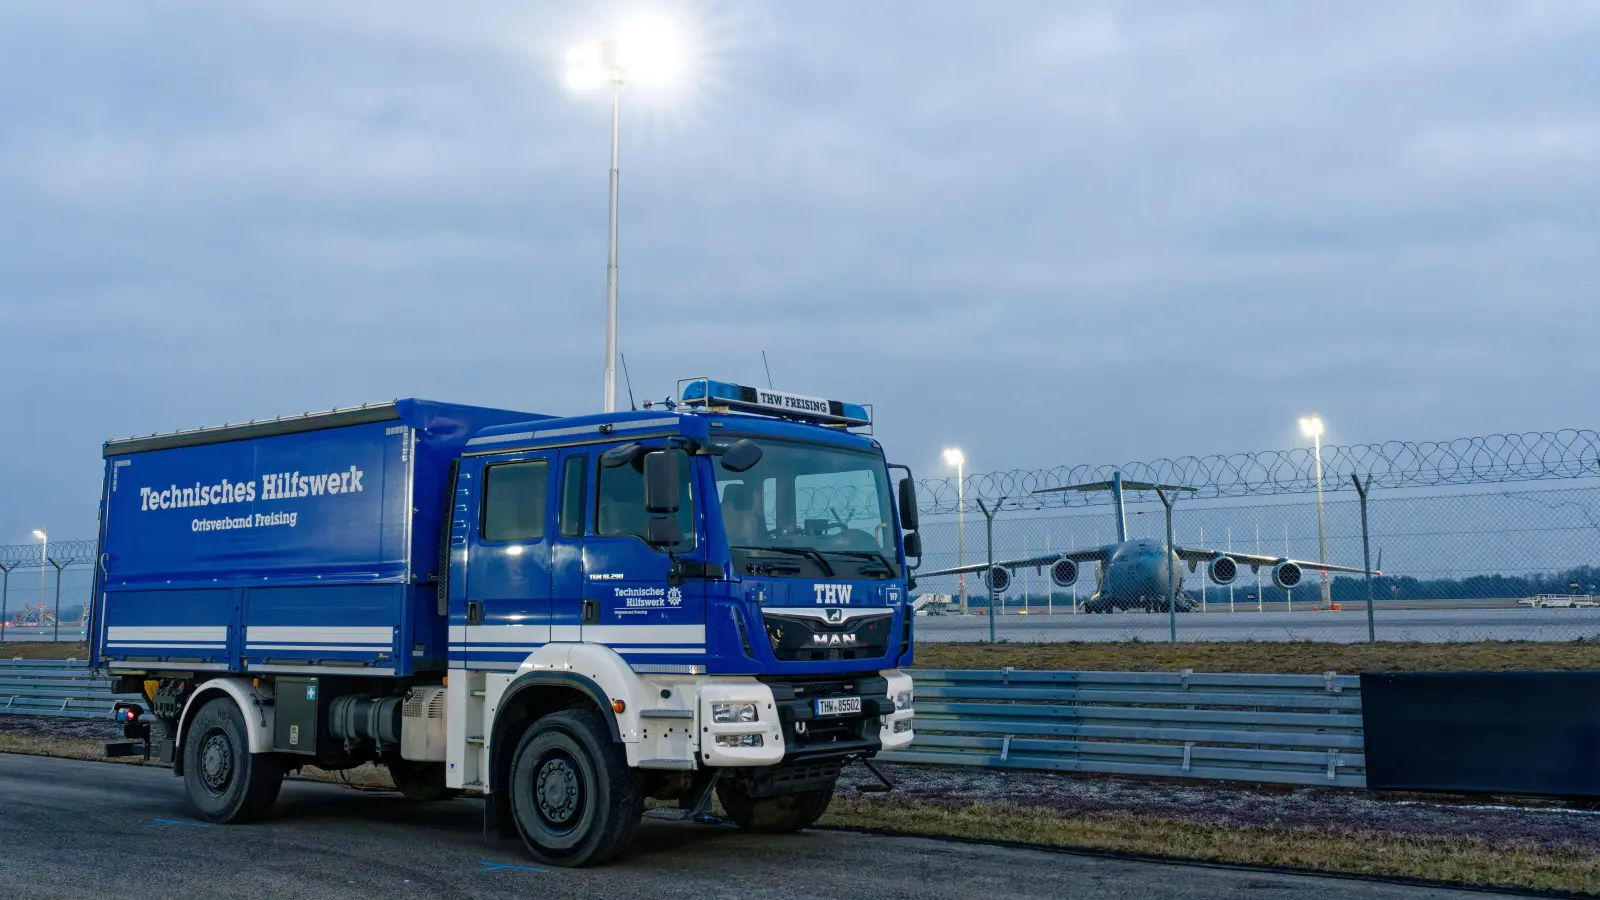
column 210, row 633
column 319, row 634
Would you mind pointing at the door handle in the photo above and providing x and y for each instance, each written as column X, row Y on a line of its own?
column 591, row 612
column 474, row 612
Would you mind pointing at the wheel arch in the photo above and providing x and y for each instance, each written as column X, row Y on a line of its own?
column 529, row 697
column 258, row 717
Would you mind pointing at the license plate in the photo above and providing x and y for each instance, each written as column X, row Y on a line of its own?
column 838, row 706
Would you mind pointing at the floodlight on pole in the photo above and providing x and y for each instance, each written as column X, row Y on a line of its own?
column 645, row 51
column 954, row 457
column 1312, row 427
column 43, row 534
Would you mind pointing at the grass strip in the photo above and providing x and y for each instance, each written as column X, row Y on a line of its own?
column 1283, row 657
column 1442, row 860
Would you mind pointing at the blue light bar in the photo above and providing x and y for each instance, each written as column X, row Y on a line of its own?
column 765, row 401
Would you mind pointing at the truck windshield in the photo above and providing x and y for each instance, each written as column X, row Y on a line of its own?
column 808, row 509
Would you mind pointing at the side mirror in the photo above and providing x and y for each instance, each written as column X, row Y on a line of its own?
column 913, row 545
column 663, row 532
column 741, row 455
column 908, row 506
column 620, row 455
column 661, row 483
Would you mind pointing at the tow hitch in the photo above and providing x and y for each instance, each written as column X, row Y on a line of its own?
column 130, row 715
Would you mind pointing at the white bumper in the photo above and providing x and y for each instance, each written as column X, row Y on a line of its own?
column 896, row 732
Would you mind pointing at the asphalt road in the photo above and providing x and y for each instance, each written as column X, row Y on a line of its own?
column 73, row 829
column 1347, row 625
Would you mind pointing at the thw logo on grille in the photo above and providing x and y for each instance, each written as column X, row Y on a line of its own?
column 833, row 594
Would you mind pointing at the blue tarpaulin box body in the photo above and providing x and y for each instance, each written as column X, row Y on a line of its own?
column 301, row 544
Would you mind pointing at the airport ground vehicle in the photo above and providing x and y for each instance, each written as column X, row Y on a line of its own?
column 565, row 615
column 1560, row 601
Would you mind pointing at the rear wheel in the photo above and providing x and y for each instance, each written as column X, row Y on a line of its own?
column 574, row 798
column 774, row 815
column 227, row 783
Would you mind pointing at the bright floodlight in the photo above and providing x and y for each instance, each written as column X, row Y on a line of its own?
column 953, row 456
column 39, row 533
column 649, row 51
column 1311, row 426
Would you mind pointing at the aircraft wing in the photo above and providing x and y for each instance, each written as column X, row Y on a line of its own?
column 1091, row 554
column 1195, row 555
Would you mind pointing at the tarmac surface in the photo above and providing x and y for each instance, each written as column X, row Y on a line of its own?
column 84, row 829
column 1344, row 626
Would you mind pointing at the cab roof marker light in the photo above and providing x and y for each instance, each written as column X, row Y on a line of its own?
column 704, row 392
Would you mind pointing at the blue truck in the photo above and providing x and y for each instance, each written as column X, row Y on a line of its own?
column 566, row 616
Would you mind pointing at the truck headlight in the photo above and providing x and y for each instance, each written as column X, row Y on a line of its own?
column 730, row 713
column 902, row 700
column 739, row 740
column 902, row 726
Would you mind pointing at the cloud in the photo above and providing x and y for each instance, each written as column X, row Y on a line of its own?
column 1052, row 234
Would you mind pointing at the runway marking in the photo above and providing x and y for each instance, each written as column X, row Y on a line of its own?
column 499, row 867
column 165, row 823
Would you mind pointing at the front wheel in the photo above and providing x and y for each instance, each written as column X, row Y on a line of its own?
column 574, row 798
column 227, row 783
column 774, row 815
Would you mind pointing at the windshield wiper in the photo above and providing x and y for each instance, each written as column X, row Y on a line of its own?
column 867, row 555
column 807, row 552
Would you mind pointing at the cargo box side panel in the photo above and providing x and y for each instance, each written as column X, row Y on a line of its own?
column 314, row 508
column 352, row 628
column 172, row 629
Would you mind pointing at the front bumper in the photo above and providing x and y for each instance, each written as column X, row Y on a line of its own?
column 790, row 729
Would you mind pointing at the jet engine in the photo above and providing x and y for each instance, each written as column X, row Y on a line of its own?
column 1063, row 573
column 1223, row 569
column 997, row 579
column 1286, row 575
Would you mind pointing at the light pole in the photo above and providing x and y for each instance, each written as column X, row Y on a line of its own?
column 1312, row 426
column 43, row 534
column 647, row 52
column 953, row 456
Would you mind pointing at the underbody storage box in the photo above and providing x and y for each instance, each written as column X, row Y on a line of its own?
column 304, row 545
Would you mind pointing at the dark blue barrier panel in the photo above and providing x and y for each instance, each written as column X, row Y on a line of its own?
column 1491, row 732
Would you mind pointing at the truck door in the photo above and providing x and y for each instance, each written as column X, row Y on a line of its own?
column 631, row 602
column 508, row 563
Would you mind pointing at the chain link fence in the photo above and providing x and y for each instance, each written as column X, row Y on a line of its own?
column 45, row 590
column 1458, row 564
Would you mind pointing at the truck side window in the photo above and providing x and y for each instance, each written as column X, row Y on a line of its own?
column 620, row 500
column 514, row 498
column 574, row 479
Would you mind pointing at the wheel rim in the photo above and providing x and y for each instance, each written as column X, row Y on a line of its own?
column 216, row 762
column 558, row 792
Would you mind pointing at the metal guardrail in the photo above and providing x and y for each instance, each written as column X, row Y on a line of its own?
column 54, row 687
column 1283, row 729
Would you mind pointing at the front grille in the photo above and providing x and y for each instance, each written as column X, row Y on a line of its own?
column 805, row 639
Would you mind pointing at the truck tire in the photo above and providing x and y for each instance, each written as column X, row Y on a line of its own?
column 574, row 799
column 774, row 815
column 420, row 781
column 227, row 783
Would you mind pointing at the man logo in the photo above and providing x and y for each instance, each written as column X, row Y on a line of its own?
column 834, row 616
column 834, row 640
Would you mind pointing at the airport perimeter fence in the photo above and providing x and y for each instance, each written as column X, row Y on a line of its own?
column 45, row 590
column 1480, row 539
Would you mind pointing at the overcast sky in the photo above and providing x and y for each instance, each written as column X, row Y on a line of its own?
column 1050, row 233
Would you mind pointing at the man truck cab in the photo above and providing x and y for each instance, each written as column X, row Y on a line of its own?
column 709, row 597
